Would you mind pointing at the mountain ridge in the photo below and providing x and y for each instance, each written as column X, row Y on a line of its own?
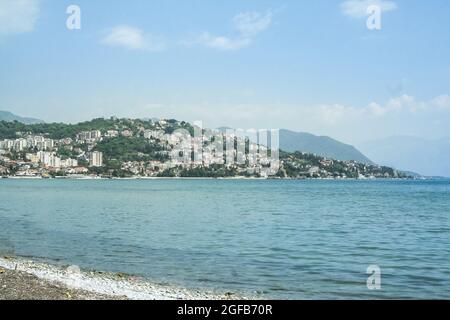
column 9, row 116
column 324, row 146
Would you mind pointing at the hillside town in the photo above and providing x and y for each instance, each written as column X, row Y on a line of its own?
column 37, row 156
column 129, row 148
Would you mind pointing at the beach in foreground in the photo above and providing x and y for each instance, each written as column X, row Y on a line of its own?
column 18, row 285
column 22, row 279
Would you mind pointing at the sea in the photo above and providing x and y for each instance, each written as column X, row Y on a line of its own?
column 269, row 239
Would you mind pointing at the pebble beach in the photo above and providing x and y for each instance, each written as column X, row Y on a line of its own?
column 22, row 279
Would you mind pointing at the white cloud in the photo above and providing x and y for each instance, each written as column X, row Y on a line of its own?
column 358, row 8
column 18, row 16
column 220, row 42
column 132, row 38
column 333, row 114
column 442, row 102
column 247, row 26
column 403, row 115
column 402, row 105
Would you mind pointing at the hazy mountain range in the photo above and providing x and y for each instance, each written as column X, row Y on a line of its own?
column 427, row 157
column 8, row 116
column 321, row 145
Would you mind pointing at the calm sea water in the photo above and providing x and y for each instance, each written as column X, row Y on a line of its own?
column 279, row 239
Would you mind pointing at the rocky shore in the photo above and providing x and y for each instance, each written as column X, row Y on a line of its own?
column 17, row 285
column 22, row 279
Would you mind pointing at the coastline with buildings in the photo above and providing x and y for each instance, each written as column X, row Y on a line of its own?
column 132, row 148
column 39, row 156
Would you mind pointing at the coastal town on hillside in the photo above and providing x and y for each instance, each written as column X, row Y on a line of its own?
column 130, row 148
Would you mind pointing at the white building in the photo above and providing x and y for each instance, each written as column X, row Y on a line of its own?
column 48, row 144
column 20, row 144
column 127, row 133
column 154, row 134
column 49, row 159
column 69, row 163
column 89, row 136
column 112, row 133
column 96, row 134
column 34, row 158
column 96, row 159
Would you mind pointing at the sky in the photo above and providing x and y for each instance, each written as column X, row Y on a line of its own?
column 310, row 66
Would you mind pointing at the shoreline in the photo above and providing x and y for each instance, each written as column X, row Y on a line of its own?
column 210, row 178
column 52, row 282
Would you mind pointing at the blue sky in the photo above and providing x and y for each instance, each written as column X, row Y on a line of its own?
column 303, row 65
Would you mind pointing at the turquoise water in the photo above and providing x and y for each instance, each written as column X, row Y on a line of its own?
column 279, row 239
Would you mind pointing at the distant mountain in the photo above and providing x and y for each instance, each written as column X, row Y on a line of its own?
column 323, row 146
column 8, row 116
column 427, row 157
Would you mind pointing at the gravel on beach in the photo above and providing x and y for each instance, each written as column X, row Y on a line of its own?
column 17, row 285
column 23, row 279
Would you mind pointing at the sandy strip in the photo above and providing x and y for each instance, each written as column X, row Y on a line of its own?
column 81, row 284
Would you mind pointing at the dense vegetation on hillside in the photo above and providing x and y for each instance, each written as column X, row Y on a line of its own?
column 62, row 130
column 130, row 149
column 298, row 164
